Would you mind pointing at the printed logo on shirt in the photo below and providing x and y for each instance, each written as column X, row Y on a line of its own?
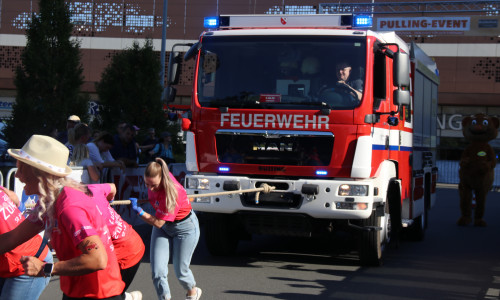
column 7, row 209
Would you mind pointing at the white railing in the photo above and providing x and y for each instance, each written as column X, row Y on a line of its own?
column 448, row 172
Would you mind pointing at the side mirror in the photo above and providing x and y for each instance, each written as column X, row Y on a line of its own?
column 192, row 51
column 401, row 97
column 401, row 69
column 169, row 94
column 174, row 67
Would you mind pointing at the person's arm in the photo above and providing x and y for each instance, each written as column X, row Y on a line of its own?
column 146, row 147
column 358, row 94
column 93, row 258
column 146, row 217
column 112, row 192
column 93, row 173
column 128, row 162
column 156, row 148
column 151, row 220
column 22, row 233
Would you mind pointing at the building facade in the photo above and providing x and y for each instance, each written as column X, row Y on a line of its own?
column 463, row 37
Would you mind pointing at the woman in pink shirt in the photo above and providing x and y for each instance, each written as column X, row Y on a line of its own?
column 129, row 247
column 174, row 224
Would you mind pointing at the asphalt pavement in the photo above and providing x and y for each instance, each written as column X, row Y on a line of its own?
column 452, row 262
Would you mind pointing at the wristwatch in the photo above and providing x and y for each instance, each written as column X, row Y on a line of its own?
column 47, row 269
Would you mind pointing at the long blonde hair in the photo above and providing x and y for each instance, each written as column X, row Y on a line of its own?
column 49, row 188
column 160, row 168
column 80, row 152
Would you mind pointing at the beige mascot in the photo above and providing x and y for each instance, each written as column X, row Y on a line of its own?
column 477, row 166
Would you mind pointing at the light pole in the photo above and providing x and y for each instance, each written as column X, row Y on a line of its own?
column 163, row 46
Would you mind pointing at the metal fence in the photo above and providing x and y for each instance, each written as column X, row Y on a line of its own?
column 448, row 172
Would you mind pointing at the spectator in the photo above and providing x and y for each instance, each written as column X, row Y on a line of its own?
column 80, row 156
column 87, row 263
column 120, row 127
column 128, row 244
column 124, row 147
column 149, row 144
column 70, row 123
column 14, row 284
column 95, row 134
column 99, row 152
column 175, row 226
column 164, row 148
column 136, row 130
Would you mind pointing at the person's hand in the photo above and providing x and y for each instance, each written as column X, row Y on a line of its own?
column 121, row 165
column 138, row 209
column 32, row 266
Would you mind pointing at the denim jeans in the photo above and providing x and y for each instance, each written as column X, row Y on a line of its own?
column 24, row 287
column 182, row 239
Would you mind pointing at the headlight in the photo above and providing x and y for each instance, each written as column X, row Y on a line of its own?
column 353, row 190
column 198, row 183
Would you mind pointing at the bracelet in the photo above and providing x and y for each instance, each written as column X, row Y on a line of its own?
column 142, row 213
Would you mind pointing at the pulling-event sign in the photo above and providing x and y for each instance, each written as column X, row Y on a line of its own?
column 424, row 24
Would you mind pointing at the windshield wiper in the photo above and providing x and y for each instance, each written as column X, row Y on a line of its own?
column 304, row 103
column 233, row 102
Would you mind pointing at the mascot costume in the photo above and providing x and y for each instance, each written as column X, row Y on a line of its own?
column 477, row 166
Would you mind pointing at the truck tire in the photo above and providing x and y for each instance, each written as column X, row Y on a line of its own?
column 416, row 232
column 221, row 237
column 370, row 242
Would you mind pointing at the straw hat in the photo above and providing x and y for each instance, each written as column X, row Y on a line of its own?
column 74, row 118
column 44, row 153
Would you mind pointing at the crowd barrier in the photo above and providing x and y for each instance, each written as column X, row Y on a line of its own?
column 448, row 172
column 129, row 184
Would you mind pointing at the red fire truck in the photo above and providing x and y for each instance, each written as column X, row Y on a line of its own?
column 341, row 120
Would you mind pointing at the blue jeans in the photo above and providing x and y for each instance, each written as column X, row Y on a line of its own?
column 182, row 238
column 24, row 287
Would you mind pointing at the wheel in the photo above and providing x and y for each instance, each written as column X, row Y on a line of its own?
column 416, row 232
column 220, row 237
column 370, row 242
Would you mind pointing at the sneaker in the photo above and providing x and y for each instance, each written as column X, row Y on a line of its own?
column 196, row 296
column 135, row 295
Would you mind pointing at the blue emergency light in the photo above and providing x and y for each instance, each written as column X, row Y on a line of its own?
column 211, row 22
column 321, row 172
column 223, row 169
column 362, row 21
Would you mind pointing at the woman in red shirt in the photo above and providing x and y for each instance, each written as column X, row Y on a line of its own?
column 174, row 224
column 14, row 284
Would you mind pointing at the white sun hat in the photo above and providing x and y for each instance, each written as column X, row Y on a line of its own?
column 44, row 153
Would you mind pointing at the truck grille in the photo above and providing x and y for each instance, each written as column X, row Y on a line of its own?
column 272, row 200
column 265, row 147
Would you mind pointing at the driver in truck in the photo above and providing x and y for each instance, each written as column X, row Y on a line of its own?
column 343, row 72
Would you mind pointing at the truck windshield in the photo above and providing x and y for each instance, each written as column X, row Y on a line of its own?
column 283, row 72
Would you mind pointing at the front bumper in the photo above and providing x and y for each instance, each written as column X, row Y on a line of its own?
column 317, row 198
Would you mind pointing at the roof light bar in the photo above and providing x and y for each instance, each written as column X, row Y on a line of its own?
column 211, row 22
column 362, row 21
column 279, row 21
